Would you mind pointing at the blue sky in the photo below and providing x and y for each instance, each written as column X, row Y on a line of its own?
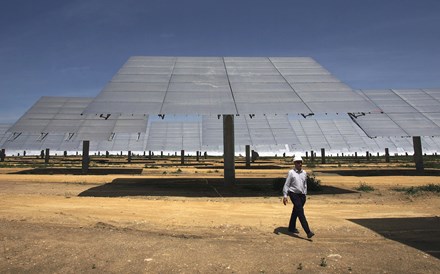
column 73, row 48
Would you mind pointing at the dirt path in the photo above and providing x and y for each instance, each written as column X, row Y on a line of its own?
column 70, row 224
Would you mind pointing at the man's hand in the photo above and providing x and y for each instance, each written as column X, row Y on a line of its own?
column 285, row 201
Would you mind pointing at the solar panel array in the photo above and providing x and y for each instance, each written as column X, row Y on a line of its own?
column 340, row 135
column 120, row 142
column 53, row 114
column 225, row 85
column 34, row 141
column 58, row 142
column 174, row 136
column 4, row 134
column 56, row 122
column 258, row 130
column 258, row 91
column 275, row 134
column 406, row 112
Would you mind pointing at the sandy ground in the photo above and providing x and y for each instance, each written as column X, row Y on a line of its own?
column 168, row 221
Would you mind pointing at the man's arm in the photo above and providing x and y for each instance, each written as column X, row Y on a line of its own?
column 305, row 181
column 286, row 188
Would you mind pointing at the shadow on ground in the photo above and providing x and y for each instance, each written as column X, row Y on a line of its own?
column 285, row 231
column 378, row 172
column 244, row 187
column 422, row 233
column 78, row 171
column 243, row 166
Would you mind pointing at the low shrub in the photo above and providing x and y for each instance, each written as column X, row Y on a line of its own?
column 313, row 184
column 364, row 187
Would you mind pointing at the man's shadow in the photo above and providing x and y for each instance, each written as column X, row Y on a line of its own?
column 285, row 230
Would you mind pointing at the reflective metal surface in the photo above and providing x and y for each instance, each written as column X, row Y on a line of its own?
column 409, row 112
column 225, row 85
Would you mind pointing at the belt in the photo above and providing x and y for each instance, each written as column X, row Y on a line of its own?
column 296, row 193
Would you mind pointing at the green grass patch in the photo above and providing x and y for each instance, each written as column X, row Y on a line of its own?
column 413, row 190
column 431, row 164
column 364, row 187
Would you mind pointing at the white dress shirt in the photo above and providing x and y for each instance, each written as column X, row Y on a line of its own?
column 296, row 182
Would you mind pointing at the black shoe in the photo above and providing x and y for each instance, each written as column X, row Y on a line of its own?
column 296, row 231
column 310, row 234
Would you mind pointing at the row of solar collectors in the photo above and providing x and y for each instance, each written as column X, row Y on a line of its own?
column 419, row 116
column 63, row 115
column 272, row 134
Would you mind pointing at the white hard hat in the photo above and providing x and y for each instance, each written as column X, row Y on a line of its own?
column 297, row 159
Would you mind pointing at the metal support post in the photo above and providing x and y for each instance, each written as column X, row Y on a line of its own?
column 228, row 149
column 418, row 155
column 85, row 157
column 46, row 157
column 2, row 155
column 248, row 156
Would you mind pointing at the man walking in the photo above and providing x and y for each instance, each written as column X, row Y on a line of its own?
column 296, row 188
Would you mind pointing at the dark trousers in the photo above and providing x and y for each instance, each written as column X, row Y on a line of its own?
column 298, row 201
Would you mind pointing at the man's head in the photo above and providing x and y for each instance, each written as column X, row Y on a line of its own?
column 297, row 160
